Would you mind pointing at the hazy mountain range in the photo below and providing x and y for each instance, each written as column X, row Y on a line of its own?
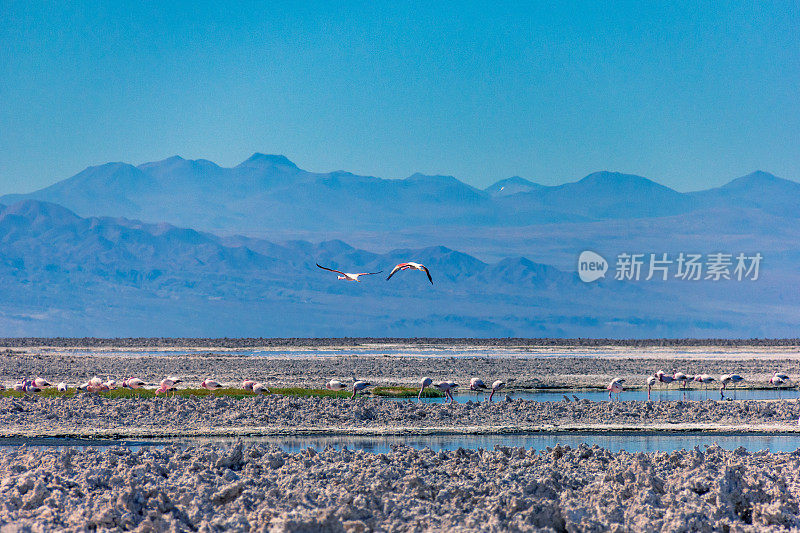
column 269, row 193
column 214, row 256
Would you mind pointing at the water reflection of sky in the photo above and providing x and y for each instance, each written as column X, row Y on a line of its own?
column 630, row 442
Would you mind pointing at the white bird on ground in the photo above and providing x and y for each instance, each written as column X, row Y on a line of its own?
column 349, row 276
column 359, row 386
column 61, row 387
column 447, row 388
column 260, row 388
column 424, row 382
column 335, row 384
column 411, row 266
column 19, row 386
column 651, row 380
column 42, row 383
column 615, row 387
column 248, row 384
column 210, row 384
column 111, row 384
column 496, row 386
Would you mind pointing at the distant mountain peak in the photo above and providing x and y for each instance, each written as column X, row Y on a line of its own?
column 512, row 185
column 259, row 159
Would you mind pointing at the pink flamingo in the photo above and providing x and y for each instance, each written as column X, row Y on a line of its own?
column 210, row 384
column 347, row 276
column 496, row 386
column 260, row 388
column 132, row 383
column 335, row 385
column 248, row 384
column 359, row 386
column 425, row 382
column 446, row 387
column 615, row 387
column 411, row 266
column 42, row 383
column 652, row 380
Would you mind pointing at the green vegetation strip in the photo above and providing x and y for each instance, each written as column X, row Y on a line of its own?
column 387, row 392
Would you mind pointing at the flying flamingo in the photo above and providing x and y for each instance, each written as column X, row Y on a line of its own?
column 615, row 387
column 412, row 266
column 651, row 380
column 335, row 384
column 477, row 385
column 248, row 384
column 210, row 384
column 359, row 386
column 260, row 388
column 446, row 387
column 425, row 382
column 347, row 276
column 496, row 386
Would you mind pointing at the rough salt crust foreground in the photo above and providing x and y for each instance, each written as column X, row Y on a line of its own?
column 260, row 488
column 90, row 415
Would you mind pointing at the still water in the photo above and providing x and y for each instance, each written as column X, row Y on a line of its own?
column 630, row 442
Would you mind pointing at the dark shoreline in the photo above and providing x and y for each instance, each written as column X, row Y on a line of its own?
column 169, row 342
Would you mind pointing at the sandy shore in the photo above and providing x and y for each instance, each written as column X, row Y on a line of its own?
column 88, row 415
column 260, row 488
column 539, row 369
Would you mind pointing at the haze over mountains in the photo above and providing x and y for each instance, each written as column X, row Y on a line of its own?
column 268, row 194
column 188, row 248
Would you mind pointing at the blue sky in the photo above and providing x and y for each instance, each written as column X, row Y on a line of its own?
column 689, row 95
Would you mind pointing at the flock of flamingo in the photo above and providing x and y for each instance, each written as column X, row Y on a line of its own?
column 169, row 384
column 616, row 386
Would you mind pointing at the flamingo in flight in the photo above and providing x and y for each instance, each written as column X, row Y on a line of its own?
column 411, row 266
column 348, row 276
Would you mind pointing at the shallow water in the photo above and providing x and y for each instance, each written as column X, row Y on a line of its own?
column 672, row 394
column 629, row 442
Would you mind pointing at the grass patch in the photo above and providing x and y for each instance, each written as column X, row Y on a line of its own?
column 297, row 391
column 406, row 392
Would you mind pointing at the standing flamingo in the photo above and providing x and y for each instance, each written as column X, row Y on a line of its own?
column 167, row 385
column 615, row 387
column 651, row 380
column 248, row 384
column 446, row 387
column 477, row 385
column 412, row 266
column 42, row 383
column 260, row 388
column 725, row 379
column 347, row 276
column 425, row 382
column 359, row 386
column 496, row 386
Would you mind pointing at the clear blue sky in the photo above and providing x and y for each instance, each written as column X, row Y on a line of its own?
column 689, row 95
